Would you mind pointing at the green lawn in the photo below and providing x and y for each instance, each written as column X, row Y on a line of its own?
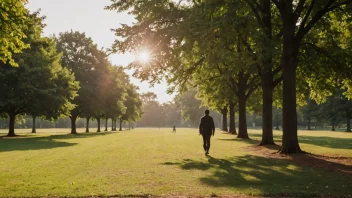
column 158, row 162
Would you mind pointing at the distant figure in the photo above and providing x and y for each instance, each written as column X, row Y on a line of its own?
column 206, row 129
column 174, row 129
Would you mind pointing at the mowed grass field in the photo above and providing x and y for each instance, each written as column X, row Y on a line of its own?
column 157, row 162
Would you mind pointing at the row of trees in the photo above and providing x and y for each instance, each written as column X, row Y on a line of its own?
column 26, row 122
column 242, row 53
column 66, row 75
column 335, row 110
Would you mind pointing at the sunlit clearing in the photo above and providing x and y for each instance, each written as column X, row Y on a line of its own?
column 144, row 57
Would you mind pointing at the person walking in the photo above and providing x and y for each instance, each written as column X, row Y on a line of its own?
column 174, row 129
column 206, row 129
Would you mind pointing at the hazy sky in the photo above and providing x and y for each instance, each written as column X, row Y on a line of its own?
column 90, row 17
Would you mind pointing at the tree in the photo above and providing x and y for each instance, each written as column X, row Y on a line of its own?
column 346, row 107
column 298, row 19
column 88, row 64
column 115, row 95
column 133, row 105
column 14, row 20
column 336, row 108
column 40, row 86
column 191, row 107
column 310, row 112
column 216, row 96
column 152, row 110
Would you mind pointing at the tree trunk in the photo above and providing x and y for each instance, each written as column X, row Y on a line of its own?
column 98, row 121
column 289, row 138
column 224, row 112
column 232, row 118
column 87, row 125
column 267, row 77
column 242, row 120
column 12, row 119
column 267, row 86
column 308, row 124
column 106, row 124
column 348, row 125
column 73, row 124
column 289, row 62
column 112, row 124
column 348, row 121
column 277, row 122
column 333, row 125
column 129, row 125
column 34, row 130
column 120, row 125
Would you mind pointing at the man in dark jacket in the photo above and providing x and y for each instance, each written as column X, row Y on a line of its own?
column 206, row 128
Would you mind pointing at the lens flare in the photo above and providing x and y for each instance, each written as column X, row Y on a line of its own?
column 144, row 56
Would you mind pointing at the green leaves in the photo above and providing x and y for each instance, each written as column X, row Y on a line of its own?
column 14, row 20
column 39, row 86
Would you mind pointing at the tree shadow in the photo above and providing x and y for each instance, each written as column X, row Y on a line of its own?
column 23, row 144
column 330, row 142
column 327, row 163
column 29, row 142
column 256, row 135
column 248, row 141
column 255, row 173
column 81, row 135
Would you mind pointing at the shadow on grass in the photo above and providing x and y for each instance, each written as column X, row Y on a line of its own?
column 81, row 135
column 330, row 142
column 248, row 141
column 265, row 176
column 21, row 143
column 318, row 161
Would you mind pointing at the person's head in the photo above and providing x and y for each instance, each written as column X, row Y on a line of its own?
column 207, row 112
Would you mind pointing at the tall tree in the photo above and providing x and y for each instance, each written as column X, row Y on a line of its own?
column 298, row 19
column 87, row 63
column 114, row 106
column 133, row 105
column 40, row 86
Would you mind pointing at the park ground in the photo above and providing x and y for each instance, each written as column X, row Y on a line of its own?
column 157, row 162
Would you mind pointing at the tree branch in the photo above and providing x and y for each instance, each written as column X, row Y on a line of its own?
column 251, row 90
column 277, row 81
column 256, row 13
column 322, row 51
column 327, row 8
column 299, row 10
column 304, row 21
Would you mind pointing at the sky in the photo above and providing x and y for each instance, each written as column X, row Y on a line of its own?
column 90, row 17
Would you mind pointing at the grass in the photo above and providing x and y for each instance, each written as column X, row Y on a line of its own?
column 158, row 162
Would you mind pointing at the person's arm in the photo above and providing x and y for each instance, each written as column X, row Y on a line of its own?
column 200, row 127
column 213, row 125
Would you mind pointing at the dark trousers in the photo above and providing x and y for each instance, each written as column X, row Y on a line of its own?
column 206, row 142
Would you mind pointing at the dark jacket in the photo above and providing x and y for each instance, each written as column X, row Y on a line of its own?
column 206, row 126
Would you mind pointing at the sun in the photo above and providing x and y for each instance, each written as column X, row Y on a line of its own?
column 144, row 56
